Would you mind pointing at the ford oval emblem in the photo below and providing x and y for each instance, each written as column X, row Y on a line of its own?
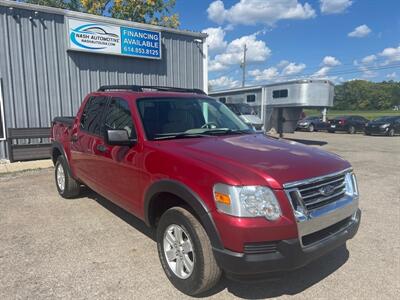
column 327, row 190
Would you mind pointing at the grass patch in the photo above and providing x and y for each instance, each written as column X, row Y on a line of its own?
column 369, row 114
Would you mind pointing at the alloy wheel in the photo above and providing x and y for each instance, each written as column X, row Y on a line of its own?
column 60, row 177
column 178, row 251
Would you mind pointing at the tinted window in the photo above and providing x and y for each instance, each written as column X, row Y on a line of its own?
column 280, row 94
column 385, row 119
column 251, row 98
column 311, row 118
column 92, row 115
column 118, row 116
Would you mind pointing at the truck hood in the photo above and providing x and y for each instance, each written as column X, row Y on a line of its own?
column 256, row 157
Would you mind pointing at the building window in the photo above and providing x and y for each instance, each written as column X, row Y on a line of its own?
column 2, row 123
column 222, row 99
column 280, row 94
column 251, row 98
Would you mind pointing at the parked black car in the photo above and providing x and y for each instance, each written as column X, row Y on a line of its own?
column 312, row 124
column 350, row 124
column 383, row 126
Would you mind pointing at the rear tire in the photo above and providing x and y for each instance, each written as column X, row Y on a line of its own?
column 178, row 228
column 67, row 186
column 352, row 130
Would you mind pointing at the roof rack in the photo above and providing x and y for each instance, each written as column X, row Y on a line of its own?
column 141, row 88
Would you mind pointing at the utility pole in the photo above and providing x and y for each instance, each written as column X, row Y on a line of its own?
column 243, row 65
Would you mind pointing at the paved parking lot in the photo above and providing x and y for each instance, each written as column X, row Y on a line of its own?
column 88, row 248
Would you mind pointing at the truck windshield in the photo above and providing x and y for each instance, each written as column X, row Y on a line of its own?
column 165, row 118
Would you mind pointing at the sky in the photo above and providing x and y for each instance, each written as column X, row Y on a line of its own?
column 339, row 40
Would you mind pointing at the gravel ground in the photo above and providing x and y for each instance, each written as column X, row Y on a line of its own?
column 88, row 248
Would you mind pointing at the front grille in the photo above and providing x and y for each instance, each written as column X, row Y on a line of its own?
column 260, row 248
column 323, row 192
column 326, row 232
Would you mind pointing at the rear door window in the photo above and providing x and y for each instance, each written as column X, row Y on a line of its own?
column 92, row 115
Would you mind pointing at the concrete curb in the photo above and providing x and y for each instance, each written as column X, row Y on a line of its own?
column 26, row 165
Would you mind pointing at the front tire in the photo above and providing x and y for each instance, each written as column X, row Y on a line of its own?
column 311, row 128
column 67, row 186
column 185, row 252
column 391, row 132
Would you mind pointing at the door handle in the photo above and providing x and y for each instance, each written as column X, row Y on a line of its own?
column 101, row 148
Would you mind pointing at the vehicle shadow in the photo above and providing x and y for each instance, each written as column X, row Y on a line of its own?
column 120, row 213
column 290, row 283
column 308, row 142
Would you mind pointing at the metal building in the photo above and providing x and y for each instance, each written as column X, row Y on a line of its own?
column 51, row 58
column 280, row 105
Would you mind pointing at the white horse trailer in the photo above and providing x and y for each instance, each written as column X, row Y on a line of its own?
column 280, row 105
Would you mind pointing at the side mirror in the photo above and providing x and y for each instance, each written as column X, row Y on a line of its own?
column 118, row 137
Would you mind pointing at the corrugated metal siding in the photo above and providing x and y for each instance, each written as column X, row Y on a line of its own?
column 41, row 79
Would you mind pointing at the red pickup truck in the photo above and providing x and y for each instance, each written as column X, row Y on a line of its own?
column 221, row 197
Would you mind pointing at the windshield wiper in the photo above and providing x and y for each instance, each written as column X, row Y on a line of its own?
column 203, row 133
column 165, row 136
column 227, row 131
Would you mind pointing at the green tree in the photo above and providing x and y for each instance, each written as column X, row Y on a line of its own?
column 156, row 12
column 367, row 95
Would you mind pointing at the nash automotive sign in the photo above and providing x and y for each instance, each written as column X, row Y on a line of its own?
column 117, row 40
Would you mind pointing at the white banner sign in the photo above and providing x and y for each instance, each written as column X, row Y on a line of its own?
column 109, row 39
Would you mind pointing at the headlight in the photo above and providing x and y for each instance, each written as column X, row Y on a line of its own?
column 247, row 201
column 384, row 126
column 351, row 185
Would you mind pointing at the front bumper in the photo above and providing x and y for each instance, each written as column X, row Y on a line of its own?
column 289, row 254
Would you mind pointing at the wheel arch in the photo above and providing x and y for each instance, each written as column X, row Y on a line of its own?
column 58, row 150
column 167, row 193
